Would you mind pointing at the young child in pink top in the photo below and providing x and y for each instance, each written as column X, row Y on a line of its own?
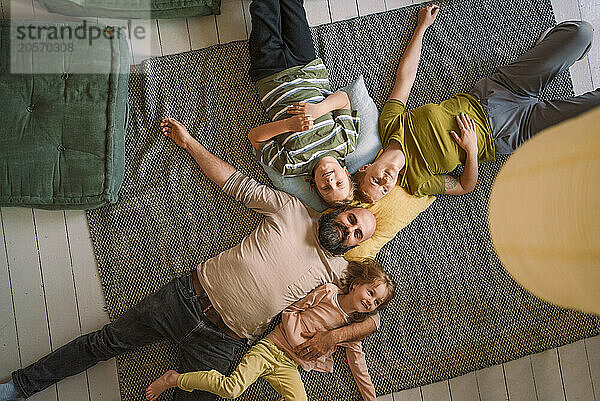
column 365, row 289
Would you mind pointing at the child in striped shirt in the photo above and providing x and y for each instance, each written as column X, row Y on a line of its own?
column 365, row 289
column 312, row 129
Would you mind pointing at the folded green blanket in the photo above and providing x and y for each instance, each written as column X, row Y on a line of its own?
column 149, row 9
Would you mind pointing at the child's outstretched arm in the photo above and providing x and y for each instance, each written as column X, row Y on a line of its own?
column 358, row 367
column 335, row 101
column 264, row 132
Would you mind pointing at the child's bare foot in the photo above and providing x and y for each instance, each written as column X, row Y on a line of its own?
column 176, row 131
column 166, row 381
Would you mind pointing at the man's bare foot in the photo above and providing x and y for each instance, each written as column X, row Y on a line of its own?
column 166, row 381
column 176, row 131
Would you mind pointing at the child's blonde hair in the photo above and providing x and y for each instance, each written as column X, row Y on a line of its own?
column 367, row 271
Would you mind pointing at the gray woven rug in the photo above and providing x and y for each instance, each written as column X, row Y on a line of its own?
column 456, row 311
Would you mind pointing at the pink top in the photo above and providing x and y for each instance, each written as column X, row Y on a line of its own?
column 319, row 311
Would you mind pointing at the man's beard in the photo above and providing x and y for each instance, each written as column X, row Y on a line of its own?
column 329, row 235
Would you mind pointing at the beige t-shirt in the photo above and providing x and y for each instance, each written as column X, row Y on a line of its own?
column 277, row 264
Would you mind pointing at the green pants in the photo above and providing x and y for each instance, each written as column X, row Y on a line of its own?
column 264, row 360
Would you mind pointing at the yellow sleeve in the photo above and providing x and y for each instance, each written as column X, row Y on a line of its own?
column 434, row 186
column 390, row 122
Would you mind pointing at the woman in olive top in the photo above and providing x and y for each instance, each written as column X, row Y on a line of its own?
column 497, row 116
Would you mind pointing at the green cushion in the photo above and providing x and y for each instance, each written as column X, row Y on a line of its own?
column 147, row 9
column 63, row 134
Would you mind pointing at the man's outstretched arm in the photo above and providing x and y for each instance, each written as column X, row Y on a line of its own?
column 216, row 169
column 322, row 341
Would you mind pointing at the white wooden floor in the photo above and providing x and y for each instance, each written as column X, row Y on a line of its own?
column 49, row 286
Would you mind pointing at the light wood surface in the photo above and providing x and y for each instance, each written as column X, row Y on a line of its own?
column 32, row 323
column 439, row 391
column 465, row 387
column 492, row 384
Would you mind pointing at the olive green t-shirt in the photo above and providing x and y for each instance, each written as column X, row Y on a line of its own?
column 429, row 148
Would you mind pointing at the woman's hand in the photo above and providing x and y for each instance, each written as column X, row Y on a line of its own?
column 427, row 15
column 305, row 109
column 299, row 123
column 468, row 134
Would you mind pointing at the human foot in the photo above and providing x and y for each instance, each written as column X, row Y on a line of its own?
column 8, row 392
column 166, row 381
column 176, row 131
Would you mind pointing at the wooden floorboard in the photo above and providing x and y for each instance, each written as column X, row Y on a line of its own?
column 413, row 394
column 203, row 31
column 575, row 372
column 174, row 36
column 317, row 12
column 59, row 293
column 342, row 9
column 393, row 4
column 439, row 391
column 145, row 39
column 464, row 388
column 247, row 17
column 37, row 313
column 231, row 24
column 592, row 346
column 366, row 7
column 28, row 290
column 590, row 11
column 546, row 376
column 492, row 386
column 9, row 351
column 580, row 72
column 19, row 9
column 519, row 380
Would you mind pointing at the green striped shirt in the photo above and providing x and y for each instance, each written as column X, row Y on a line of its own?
column 333, row 134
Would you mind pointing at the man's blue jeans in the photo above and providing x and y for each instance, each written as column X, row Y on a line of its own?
column 173, row 312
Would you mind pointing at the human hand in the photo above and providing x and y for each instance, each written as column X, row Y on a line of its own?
column 468, row 134
column 300, row 122
column 318, row 344
column 427, row 15
column 305, row 109
column 176, row 131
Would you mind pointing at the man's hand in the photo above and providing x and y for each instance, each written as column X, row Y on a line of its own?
column 300, row 122
column 317, row 345
column 306, row 109
column 177, row 132
column 468, row 134
column 217, row 170
column 427, row 15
